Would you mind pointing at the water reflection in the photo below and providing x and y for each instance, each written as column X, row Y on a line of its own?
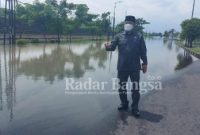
column 63, row 62
column 10, row 79
column 1, row 87
column 177, row 49
column 184, row 60
column 168, row 43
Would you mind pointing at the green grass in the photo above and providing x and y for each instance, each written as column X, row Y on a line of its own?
column 74, row 39
column 195, row 50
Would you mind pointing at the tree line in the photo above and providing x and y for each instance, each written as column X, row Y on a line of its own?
column 52, row 17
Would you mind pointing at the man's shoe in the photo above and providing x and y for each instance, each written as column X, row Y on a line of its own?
column 123, row 107
column 136, row 113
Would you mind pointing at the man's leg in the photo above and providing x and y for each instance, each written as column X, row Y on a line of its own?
column 123, row 78
column 135, row 79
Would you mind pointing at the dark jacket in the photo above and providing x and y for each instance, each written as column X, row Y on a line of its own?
column 132, row 48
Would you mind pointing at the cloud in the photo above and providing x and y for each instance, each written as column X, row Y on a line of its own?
column 162, row 14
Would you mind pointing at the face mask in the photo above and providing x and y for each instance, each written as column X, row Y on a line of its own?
column 128, row 27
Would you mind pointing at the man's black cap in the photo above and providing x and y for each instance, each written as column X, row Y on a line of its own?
column 130, row 18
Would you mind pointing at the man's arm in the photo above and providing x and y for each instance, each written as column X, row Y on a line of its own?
column 113, row 45
column 143, row 54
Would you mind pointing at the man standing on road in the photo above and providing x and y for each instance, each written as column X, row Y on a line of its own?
column 132, row 48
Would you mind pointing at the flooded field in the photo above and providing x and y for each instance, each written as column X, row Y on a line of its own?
column 33, row 97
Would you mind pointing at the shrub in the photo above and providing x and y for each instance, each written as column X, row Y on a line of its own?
column 21, row 42
column 35, row 41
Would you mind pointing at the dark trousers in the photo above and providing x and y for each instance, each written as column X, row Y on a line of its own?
column 135, row 94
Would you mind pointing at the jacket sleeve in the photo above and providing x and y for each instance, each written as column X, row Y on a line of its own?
column 143, row 51
column 114, row 44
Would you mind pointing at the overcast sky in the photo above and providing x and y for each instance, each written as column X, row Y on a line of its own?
column 162, row 14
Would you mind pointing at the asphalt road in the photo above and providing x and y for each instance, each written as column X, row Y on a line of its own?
column 173, row 111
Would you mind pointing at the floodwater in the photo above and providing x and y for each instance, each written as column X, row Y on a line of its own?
column 33, row 95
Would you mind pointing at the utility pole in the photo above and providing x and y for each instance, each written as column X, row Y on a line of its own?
column 113, row 33
column 193, row 9
column 10, row 20
column 113, row 28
